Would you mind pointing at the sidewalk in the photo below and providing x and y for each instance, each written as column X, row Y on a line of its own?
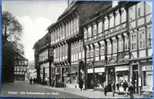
column 90, row 93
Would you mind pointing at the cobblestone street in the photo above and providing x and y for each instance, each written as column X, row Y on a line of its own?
column 24, row 89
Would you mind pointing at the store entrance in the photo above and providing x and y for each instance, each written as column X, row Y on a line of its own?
column 135, row 78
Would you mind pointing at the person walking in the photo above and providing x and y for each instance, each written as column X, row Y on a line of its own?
column 131, row 90
column 113, row 88
column 106, row 88
column 125, row 85
column 80, row 84
column 118, row 85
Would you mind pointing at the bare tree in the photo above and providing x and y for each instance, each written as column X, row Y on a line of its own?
column 11, row 26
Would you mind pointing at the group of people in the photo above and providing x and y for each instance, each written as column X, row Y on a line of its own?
column 32, row 80
column 127, row 88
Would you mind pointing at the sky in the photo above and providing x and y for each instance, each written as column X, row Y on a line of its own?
column 35, row 16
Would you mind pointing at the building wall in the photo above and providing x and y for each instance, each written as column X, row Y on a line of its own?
column 116, row 37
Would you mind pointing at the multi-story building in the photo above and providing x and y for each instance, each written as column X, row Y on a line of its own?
column 67, row 38
column 42, row 61
column 118, row 46
column 20, row 68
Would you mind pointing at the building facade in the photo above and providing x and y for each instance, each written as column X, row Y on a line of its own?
column 42, row 59
column 67, row 39
column 118, row 46
column 112, row 42
column 20, row 68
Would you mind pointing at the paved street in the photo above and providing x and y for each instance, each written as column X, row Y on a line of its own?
column 24, row 89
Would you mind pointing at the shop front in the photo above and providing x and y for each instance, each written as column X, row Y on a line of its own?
column 122, row 75
column 96, row 77
column 147, row 78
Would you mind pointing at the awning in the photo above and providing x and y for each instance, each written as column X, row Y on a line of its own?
column 122, row 68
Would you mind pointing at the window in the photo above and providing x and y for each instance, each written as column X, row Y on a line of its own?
column 117, row 18
column 149, row 18
column 108, row 47
column 120, row 43
column 123, row 15
column 148, row 5
column 102, row 50
column 91, row 52
column 134, row 41
column 144, row 80
column 149, row 37
column 126, row 42
column 96, row 52
column 132, row 13
column 114, row 45
column 85, row 33
column 89, row 32
column 142, row 39
column 140, row 9
column 100, row 27
column 94, row 29
column 105, row 23
column 66, row 29
column 111, row 20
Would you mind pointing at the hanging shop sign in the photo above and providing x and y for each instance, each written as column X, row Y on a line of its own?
column 122, row 68
column 98, row 70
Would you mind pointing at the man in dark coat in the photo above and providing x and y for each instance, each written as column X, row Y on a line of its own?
column 106, row 90
column 80, row 84
column 131, row 90
column 125, row 85
column 113, row 87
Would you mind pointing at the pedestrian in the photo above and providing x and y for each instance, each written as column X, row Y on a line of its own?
column 105, row 90
column 125, row 85
column 80, row 84
column 30, row 80
column 113, row 88
column 118, row 85
column 131, row 90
